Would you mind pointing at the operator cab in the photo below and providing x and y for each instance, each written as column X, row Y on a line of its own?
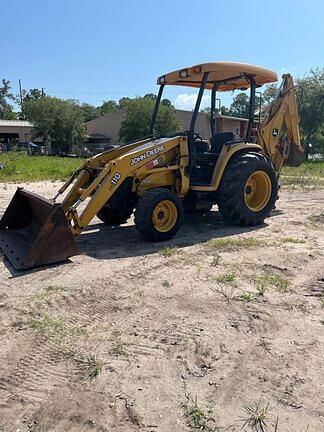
column 218, row 76
column 207, row 153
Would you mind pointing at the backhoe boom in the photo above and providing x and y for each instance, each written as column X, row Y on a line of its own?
column 279, row 133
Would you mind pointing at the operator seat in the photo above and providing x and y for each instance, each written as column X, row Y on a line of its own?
column 206, row 157
column 219, row 139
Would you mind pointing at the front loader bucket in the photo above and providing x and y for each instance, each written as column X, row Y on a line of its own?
column 34, row 231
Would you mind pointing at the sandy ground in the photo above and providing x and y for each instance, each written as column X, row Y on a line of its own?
column 130, row 335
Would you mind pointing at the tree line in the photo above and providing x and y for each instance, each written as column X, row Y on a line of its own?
column 62, row 121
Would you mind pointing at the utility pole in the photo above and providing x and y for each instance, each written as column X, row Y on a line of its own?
column 43, row 93
column 21, row 99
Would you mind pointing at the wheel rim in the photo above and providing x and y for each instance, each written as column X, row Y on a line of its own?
column 164, row 216
column 257, row 191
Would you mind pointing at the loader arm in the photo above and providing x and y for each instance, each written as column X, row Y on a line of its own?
column 102, row 176
column 282, row 117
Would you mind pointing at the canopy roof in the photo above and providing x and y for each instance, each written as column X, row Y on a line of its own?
column 225, row 75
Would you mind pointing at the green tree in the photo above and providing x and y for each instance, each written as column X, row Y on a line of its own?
column 122, row 103
column 89, row 112
column 310, row 90
column 57, row 120
column 108, row 107
column 6, row 110
column 138, row 119
column 224, row 111
column 34, row 94
column 166, row 102
column 151, row 96
column 240, row 106
column 269, row 94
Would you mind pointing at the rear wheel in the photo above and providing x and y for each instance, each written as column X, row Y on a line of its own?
column 248, row 189
column 114, row 217
column 159, row 214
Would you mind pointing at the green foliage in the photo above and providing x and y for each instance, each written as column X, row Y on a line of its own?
column 307, row 169
column 224, row 111
column 34, row 94
column 138, row 119
column 226, row 278
column 89, row 112
column 197, row 417
column 8, row 113
column 89, row 366
column 230, row 243
column 311, row 110
column 168, row 251
column 269, row 93
column 58, row 120
column 108, row 107
column 123, row 102
column 55, row 326
column 292, row 240
column 240, row 106
column 118, row 348
column 306, row 176
column 278, row 282
column 257, row 415
column 21, row 167
column 247, row 296
column 6, row 110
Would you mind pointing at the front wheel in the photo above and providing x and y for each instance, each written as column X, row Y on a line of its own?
column 159, row 214
column 248, row 190
column 114, row 217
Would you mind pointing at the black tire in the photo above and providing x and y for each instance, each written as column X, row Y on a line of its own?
column 233, row 189
column 114, row 217
column 145, row 209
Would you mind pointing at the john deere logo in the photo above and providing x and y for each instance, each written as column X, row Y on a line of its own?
column 274, row 132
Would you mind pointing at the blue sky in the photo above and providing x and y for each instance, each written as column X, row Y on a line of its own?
column 106, row 49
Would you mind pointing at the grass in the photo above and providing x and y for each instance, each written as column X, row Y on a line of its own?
column 216, row 260
column 168, row 251
column 261, row 288
column 307, row 175
column 292, row 240
column 48, row 292
column 118, row 348
column 230, row 243
column 322, row 301
column 226, row 278
column 89, row 365
column 317, row 219
column 166, row 284
column 308, row 169
column 257, row 415
column 197, row 417
column 21, row 167
column 227, row 291
column 280, row 283
column 247, row 296
column 55, row 326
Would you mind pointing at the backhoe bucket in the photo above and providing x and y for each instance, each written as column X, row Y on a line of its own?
column 296, row 156
column 35, row 232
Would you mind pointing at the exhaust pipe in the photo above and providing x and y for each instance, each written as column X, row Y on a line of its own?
column 35, row 232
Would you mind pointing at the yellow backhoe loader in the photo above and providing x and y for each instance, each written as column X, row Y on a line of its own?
column 161, row 177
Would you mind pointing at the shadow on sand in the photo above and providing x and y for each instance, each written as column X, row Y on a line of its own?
column 103, row 242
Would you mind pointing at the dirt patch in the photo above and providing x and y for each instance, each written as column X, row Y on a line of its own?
column 131, row 335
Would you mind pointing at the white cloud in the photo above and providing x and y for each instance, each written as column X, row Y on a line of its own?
column 187, row 101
